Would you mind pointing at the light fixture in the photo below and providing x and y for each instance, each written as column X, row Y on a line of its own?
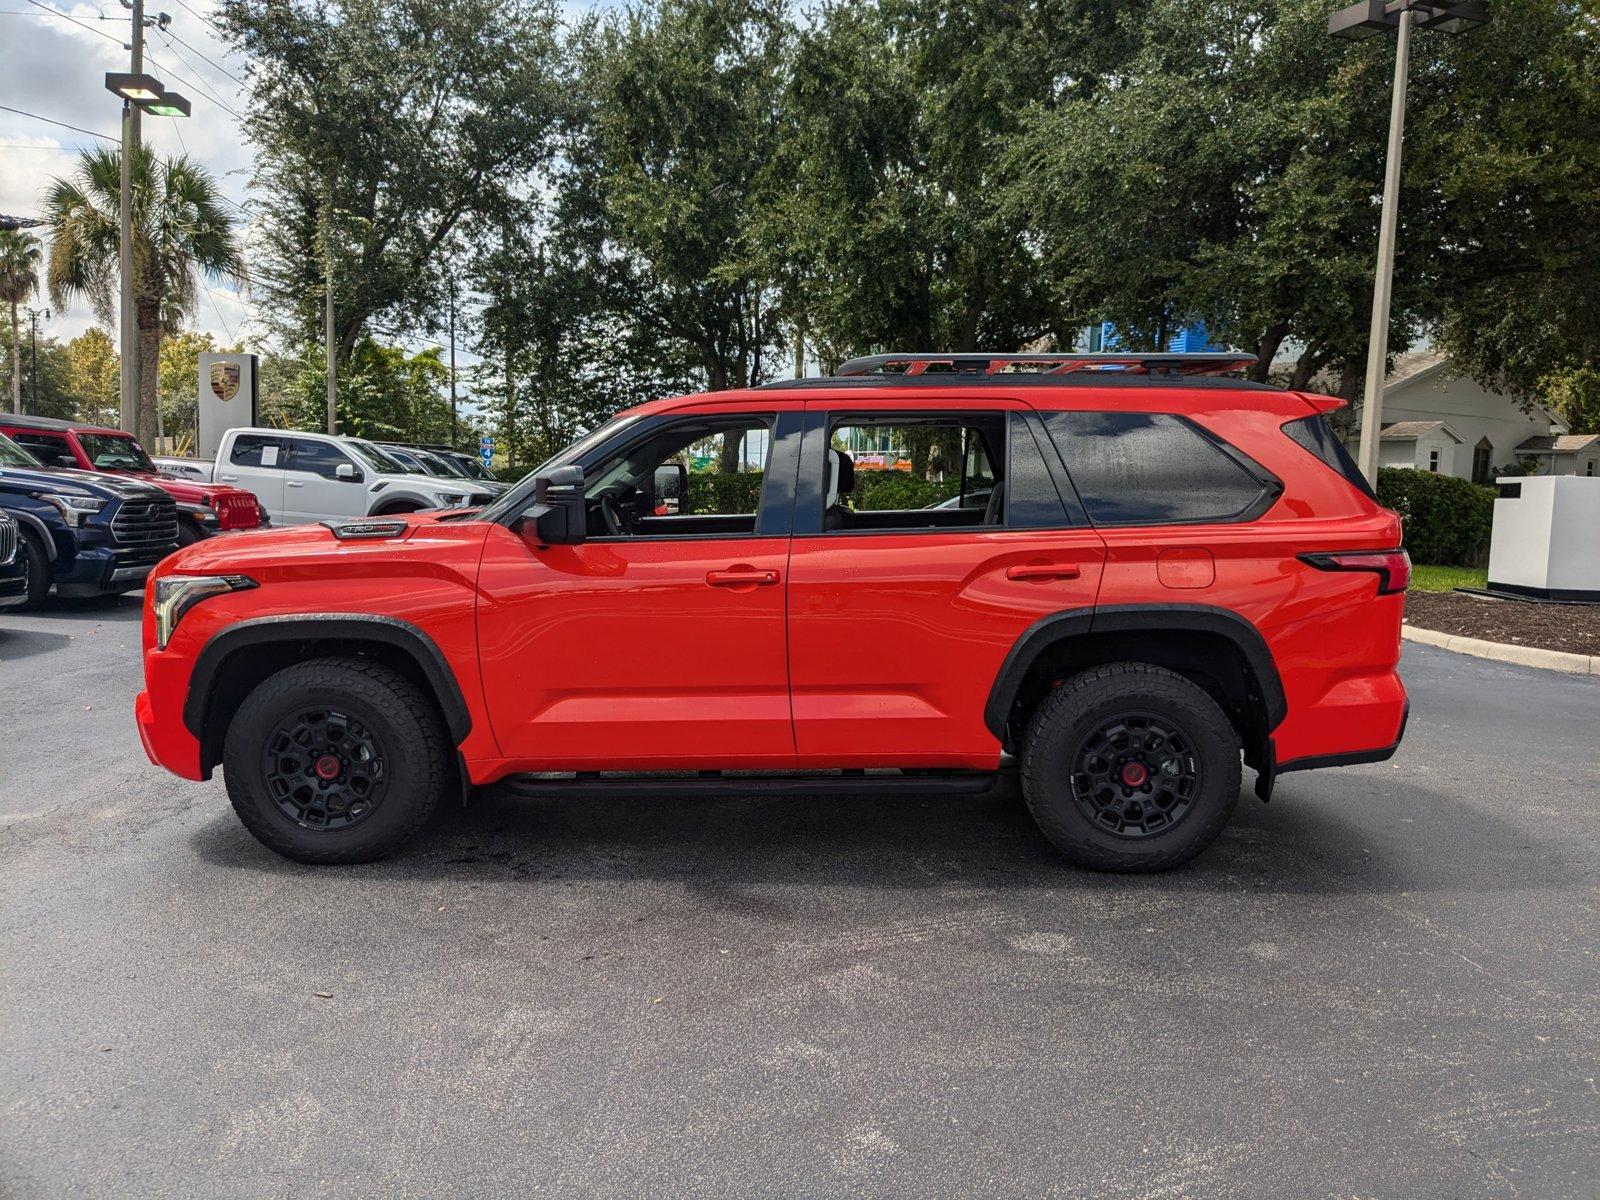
column 135, row 87
column 1456, row 18
column 170, row 105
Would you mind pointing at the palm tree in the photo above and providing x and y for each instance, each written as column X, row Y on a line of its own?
column 180, row 230
column 19, row 277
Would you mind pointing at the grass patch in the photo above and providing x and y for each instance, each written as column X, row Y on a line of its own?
column 1444, row 579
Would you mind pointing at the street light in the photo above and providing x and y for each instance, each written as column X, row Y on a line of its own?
column 1354, row 23
column 139, row 92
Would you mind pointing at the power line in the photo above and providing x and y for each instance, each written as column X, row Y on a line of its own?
column 201, row 88
column 200, row 16
column 78, row 23
column 50, row 121
column 202, row 57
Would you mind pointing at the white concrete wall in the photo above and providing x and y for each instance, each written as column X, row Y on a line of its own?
column 1549, row 537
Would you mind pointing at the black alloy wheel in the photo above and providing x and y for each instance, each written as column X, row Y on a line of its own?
column 1136, row 774
column 324, row 768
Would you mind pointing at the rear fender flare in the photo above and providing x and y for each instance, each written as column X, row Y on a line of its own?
column 1130, row 618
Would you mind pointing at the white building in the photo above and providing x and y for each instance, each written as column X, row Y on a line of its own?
column 1436, row 419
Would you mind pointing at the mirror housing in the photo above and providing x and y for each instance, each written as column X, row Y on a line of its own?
column 669, row 490
column 346, row 471
column 558, row 514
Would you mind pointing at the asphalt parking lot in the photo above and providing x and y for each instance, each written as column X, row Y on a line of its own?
column 1383, row 984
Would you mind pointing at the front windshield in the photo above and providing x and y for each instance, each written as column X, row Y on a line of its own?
column 512, row 502
column 376, row 459
column 442, row 464
column 472, row 468
column 113, row 452
column 13, row 455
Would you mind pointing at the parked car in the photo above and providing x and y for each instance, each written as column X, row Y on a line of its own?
column 425, row 461
column 82, row 532
column 306, row 477
column 204, row 509
column 13, row 564
column 1173, row 571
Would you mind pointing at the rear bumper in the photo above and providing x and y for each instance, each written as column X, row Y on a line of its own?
column 1349, row 758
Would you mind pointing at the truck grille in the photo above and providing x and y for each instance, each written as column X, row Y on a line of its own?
column 145, row 522
column 8, row 541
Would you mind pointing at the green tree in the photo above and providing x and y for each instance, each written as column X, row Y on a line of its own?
column 381, row 125
column 181, row 231
column 19, row 278
column 94, row 376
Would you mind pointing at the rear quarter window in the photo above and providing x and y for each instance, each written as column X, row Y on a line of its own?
column 1313, row 434
column 1134, row 468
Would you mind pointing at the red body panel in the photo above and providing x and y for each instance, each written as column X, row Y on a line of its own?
column 864, row 649
column 235, row 508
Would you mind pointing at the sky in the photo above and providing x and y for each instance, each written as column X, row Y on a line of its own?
column 54, row 67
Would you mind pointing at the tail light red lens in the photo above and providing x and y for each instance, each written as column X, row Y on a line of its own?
column 1392, row 567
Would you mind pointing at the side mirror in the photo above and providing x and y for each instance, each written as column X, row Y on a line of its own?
column 670, row 490
column 347, row 472
column 558, row 513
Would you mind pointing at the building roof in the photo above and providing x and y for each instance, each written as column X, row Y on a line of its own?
column 1410, row 431
column 1565, row 443
column 1408, row 368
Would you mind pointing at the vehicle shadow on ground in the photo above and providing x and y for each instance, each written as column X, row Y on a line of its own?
column 18, row 644
column 1294, row 846
column 51, row 627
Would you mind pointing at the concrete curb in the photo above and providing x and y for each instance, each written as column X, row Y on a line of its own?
column 1523, row 656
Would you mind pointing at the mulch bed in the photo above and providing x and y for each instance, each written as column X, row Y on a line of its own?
column 1571, row 627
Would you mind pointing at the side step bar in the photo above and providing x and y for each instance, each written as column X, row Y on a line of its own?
column 752, row 783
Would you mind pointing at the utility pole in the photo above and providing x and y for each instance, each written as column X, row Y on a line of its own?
column 454, row 429
column 128, row 325
column 327, row 306
column 1383, row 283
column 33, row 325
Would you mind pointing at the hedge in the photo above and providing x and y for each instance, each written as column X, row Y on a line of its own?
column 714, row 492
column 1446, row 519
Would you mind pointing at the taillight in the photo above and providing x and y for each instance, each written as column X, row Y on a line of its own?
column 1392, row 567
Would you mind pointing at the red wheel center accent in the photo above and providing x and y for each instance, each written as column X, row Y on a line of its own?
column 1134, row 774
column 328, row 766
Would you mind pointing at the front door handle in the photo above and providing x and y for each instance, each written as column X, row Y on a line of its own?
column 742, row 577
column 292, row 483
column 227, row 478
column 1043, row 571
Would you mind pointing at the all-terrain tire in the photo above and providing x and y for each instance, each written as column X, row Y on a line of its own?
column 31, row 550
column 1070, row 722
column 407, row 740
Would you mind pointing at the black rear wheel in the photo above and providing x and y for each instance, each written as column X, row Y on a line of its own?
column 337, row 760
column 1131, row 767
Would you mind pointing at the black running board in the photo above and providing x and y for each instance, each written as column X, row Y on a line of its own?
column 822, row 783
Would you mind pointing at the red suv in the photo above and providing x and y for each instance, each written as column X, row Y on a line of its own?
column 1149, row 572
column 203, row 508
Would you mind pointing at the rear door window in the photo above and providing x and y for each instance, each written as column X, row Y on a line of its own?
column 1133, row 468
column 257, row 450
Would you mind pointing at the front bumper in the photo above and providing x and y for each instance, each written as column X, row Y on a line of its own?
column 14, row 582
column 105, row 570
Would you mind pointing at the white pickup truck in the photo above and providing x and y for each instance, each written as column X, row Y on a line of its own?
column 302, row 477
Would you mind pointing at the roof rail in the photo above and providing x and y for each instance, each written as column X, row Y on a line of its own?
column 1147, row 362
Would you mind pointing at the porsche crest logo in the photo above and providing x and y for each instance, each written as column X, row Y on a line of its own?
column 225, row 380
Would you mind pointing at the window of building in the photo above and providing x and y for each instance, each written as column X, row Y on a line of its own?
column 1433, row 461
column 1482, row 464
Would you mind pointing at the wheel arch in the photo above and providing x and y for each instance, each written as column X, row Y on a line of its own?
column 27, row 520
column 1217, row 648
column 401, row 502
column 244, row 654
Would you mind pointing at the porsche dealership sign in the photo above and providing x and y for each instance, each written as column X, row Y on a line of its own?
column 227, row 397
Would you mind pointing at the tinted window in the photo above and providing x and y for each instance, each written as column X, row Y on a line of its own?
column 256, row 450
column 1151, row 469
column 1314, row 435
column 1031, row 498
column 320, row 458
column 48, row 448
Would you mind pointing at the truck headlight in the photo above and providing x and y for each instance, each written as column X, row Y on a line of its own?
column 177, row 594
column 451, row 499
column 74, row 509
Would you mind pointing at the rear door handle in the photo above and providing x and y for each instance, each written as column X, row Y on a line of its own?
column 1043, row 571
column 227, row 478
column 292, row 483
column 742, row 577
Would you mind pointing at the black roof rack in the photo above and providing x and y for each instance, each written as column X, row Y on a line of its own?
column 988, row 365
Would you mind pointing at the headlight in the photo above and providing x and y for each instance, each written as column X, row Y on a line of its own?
column 451, row 499
column 177, row 594
column 74, row 508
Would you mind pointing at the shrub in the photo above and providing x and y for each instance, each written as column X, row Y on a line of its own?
column 899, row 489
column 715, row 492
column 1446, row 520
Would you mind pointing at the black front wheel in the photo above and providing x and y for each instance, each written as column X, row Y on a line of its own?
column 1131, row 767
column 36, row 568
column 336, row 760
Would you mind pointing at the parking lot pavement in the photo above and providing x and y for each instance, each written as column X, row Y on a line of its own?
column 1382, row 984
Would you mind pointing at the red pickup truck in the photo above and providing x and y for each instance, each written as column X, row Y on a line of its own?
column 203, row 508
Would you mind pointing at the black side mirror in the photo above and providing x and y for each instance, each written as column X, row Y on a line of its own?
column 669, row 494
column 558, row 512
